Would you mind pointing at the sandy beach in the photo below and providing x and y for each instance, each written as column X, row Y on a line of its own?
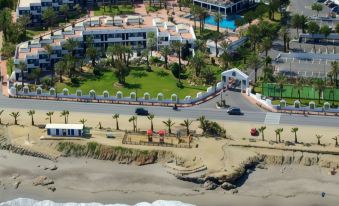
column 285, row 179
column 88, row 180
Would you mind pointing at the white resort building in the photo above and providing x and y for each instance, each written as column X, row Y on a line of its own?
column 104, row 31
column 225, row 7
column 35, row 8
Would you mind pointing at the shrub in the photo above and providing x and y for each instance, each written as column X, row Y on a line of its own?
column 96, row 72
column 154, row 59
column 180, row 85
column 46, row 81
column 75, row 81
column 175, row 69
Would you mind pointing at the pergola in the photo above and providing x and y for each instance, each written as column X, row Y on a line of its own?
column 236, row 74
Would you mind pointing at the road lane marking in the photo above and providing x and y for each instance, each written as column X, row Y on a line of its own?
column 272, row 118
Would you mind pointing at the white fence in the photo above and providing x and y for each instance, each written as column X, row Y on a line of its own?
column 39, row 93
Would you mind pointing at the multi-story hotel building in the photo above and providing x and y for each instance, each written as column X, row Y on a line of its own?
column 225, row 7
column 128, row 30
column 35, row 8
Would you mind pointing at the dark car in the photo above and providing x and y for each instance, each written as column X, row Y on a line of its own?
column 234, row 111
column 141, row 111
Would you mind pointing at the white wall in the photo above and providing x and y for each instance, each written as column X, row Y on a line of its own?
column 77, row 133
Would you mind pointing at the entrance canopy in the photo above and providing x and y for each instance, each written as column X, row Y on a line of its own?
column 235, row 74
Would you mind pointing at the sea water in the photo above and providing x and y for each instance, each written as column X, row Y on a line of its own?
column 31, row 202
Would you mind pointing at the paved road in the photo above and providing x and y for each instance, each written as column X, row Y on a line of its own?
column 193, row 112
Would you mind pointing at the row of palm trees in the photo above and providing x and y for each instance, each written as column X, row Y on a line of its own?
column 294, row 130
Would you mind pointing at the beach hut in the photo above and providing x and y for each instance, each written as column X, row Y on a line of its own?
column 65, row 130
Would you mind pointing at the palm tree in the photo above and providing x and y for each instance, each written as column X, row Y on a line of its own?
column 65, row 114
column 218, row 19
column 169, row 123
column 266, row 44
column 299, row 85
column 49, row 116
column 313, row 28
column 22, row 67
column 336, row 140
column 31, row 113
column 151, row 117
column 134, row 119
column 116, row 117
column 59, row 68
column 48, row 48
column 319, row 85
column 317, row 8
column 165, row 51
column 176, row 46
column 335, row 71
column 318, row 138
column 1, row 111
column 64, row 10
column 216, row 37
column 187, row 123
column 281, row 79
column 295, row 130
column 284, row 34
column 296, row 22
column 278, row 134
column 145, row 53
column 197, row 62
column 254, row 62
column 261, row 130
column 203, row 123
column 83, row 121
column 15, row 115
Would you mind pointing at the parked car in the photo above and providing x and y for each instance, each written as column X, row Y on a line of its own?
column 335, row 9
column 234, row 111
column 141, row 111
column 332, row 5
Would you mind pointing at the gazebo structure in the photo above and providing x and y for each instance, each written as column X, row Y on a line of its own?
column 235, row 74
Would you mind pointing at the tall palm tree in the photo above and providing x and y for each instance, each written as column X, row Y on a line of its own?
column 134, row 120
column 303, row 22
column 169, row 123
column 261, row 130
column 31, row 113
column 254, row 63
column 116, row 117
column 197, row 62
column 278, row 134
column 335, row 71
column 216, row 37
column 281, row 80
column 187, row 123
column 319, row 85
column 15, row 115
column 83, row 121
column 151, row 117
column 22, row 66
column 266, row 44
column 60, row 67
column 284, row 34
column 299, row 85
column 176, row 46
column 218, row 19
column 318, row 138
column 49, row 116
column 165, row 51
column 65, row 114
column 1, row 111
column 295, row 130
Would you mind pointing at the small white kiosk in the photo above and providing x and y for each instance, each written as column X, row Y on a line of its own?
column 65, row 130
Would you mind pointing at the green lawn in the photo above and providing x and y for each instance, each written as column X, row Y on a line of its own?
column 139, row 80
column 35, row 31
column 120, row 9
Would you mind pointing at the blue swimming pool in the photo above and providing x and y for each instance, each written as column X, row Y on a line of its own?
column 226, row 23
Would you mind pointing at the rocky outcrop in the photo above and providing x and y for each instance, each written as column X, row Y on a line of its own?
column 121, row 154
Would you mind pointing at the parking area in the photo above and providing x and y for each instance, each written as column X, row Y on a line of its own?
column 302, row 68
column 305, row 7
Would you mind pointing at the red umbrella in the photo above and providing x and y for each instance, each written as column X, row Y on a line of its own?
column 149, row 132
column 161, row 132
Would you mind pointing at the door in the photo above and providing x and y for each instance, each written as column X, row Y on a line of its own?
column 57, row 132
column 64, row 132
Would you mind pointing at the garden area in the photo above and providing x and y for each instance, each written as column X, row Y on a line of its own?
column 139, row 80
column 114, row 10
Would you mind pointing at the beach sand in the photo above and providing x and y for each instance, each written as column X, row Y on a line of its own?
column 88, row 180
